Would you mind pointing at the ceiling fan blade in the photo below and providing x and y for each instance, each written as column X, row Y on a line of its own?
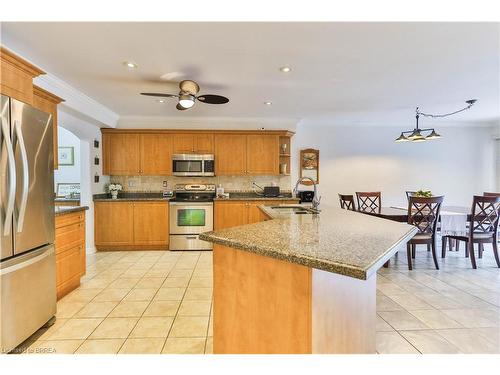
column 213, row 99
column 189, row 86
column 159, row 94
column 180, row 107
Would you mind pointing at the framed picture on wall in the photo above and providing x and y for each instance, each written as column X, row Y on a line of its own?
column 309, row 165
column 65, row 189
column 66, row 155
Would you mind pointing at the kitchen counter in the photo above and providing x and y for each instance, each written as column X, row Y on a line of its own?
column 300, row 283
column 336, row 240
column 252, row 196
column 130, row 197
column 62, row 210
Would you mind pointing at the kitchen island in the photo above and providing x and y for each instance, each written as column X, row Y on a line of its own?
column 301, row 283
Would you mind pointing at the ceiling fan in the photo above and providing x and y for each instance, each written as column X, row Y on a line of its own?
column 187, row 95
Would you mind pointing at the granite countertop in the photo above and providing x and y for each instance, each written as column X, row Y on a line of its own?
column 339, row 241
column 252, row 196
column 130, row 197
column 61, row 210
column 62, row 199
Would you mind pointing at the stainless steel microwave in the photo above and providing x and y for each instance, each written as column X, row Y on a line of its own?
column 195, row 165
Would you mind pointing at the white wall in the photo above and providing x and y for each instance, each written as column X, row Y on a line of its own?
column 357, row 158
column 87, row 133
column 68, row 173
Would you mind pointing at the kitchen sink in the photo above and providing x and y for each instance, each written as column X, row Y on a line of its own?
column 298, row 210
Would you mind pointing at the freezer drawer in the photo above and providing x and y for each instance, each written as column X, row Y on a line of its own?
column 28, row 295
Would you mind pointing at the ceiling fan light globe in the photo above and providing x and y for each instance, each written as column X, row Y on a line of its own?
column 186, row 101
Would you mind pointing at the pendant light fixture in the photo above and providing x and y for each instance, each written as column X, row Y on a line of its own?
column 416, row 135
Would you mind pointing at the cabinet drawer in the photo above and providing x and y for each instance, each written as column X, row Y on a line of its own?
column 68, row 219
column 69, row 236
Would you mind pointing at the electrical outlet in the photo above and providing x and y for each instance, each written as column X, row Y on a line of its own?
column 165, row 183
column 131, row 183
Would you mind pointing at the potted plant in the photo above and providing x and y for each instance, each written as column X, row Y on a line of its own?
column 114, row 189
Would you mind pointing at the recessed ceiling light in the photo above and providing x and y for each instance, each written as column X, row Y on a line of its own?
column 268, row 103
column 130, row 64
column 285, row 69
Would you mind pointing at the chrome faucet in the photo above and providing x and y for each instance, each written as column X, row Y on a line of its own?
column 316, row 199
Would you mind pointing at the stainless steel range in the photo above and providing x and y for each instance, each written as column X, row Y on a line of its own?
column 191, row 213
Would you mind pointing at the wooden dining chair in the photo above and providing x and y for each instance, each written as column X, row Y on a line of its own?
column 483, row 228
column 424, row 214
column 409, row 194
column 369, row 201
column 347, row 202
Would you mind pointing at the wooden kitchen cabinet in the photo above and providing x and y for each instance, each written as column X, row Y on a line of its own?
column 230, row 154
column 70, row 251
column 17, row 76
column 123, row 151
column 229, row 214
column 47, row 102
column 156, row 154
column 131, row 225
column 113, row 223
column 151, row 223
column 134, row 152
column 262, row 154
column 189, row 143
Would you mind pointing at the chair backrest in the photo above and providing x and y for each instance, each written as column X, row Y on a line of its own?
column 347, row 202
column 409, row 194
column 369, row 201
column 485, row 214
column 485, row 194
column 424, row 213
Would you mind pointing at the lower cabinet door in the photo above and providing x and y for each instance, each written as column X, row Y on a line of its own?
column 114, row 223
column 230, row 214
column 68, row 270
column 151, row 223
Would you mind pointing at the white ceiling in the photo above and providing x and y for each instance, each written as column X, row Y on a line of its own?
column 342, row 73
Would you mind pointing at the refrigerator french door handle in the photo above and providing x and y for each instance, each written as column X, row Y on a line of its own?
column 12, row 178
column 25, row 169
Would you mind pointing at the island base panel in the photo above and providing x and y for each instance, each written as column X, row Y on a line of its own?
column 264, row 305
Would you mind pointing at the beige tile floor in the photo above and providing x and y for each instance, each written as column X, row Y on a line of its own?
column 160, row 302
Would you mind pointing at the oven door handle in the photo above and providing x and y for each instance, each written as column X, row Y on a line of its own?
column 189, row 204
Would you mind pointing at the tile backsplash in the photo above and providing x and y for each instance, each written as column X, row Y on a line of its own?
column 230, row 183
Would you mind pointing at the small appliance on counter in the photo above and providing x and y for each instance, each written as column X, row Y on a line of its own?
column 305, row 196
column 271, row 191
column 268, row 191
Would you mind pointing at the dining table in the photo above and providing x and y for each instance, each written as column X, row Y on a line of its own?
column 401, row 214
column 448, row 213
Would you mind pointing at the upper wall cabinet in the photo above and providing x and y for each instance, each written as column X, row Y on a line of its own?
column 231, row 155
column 17, row 76
column 263, row 154
column 130, row 154
column 156, row 154
column 149, row 152
column 192, row 143
column 237, row 154
column 47, row 102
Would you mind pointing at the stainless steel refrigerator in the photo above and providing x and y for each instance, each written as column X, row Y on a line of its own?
column 27, row 267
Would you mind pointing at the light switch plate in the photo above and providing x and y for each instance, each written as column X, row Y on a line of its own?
column 165, row 183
